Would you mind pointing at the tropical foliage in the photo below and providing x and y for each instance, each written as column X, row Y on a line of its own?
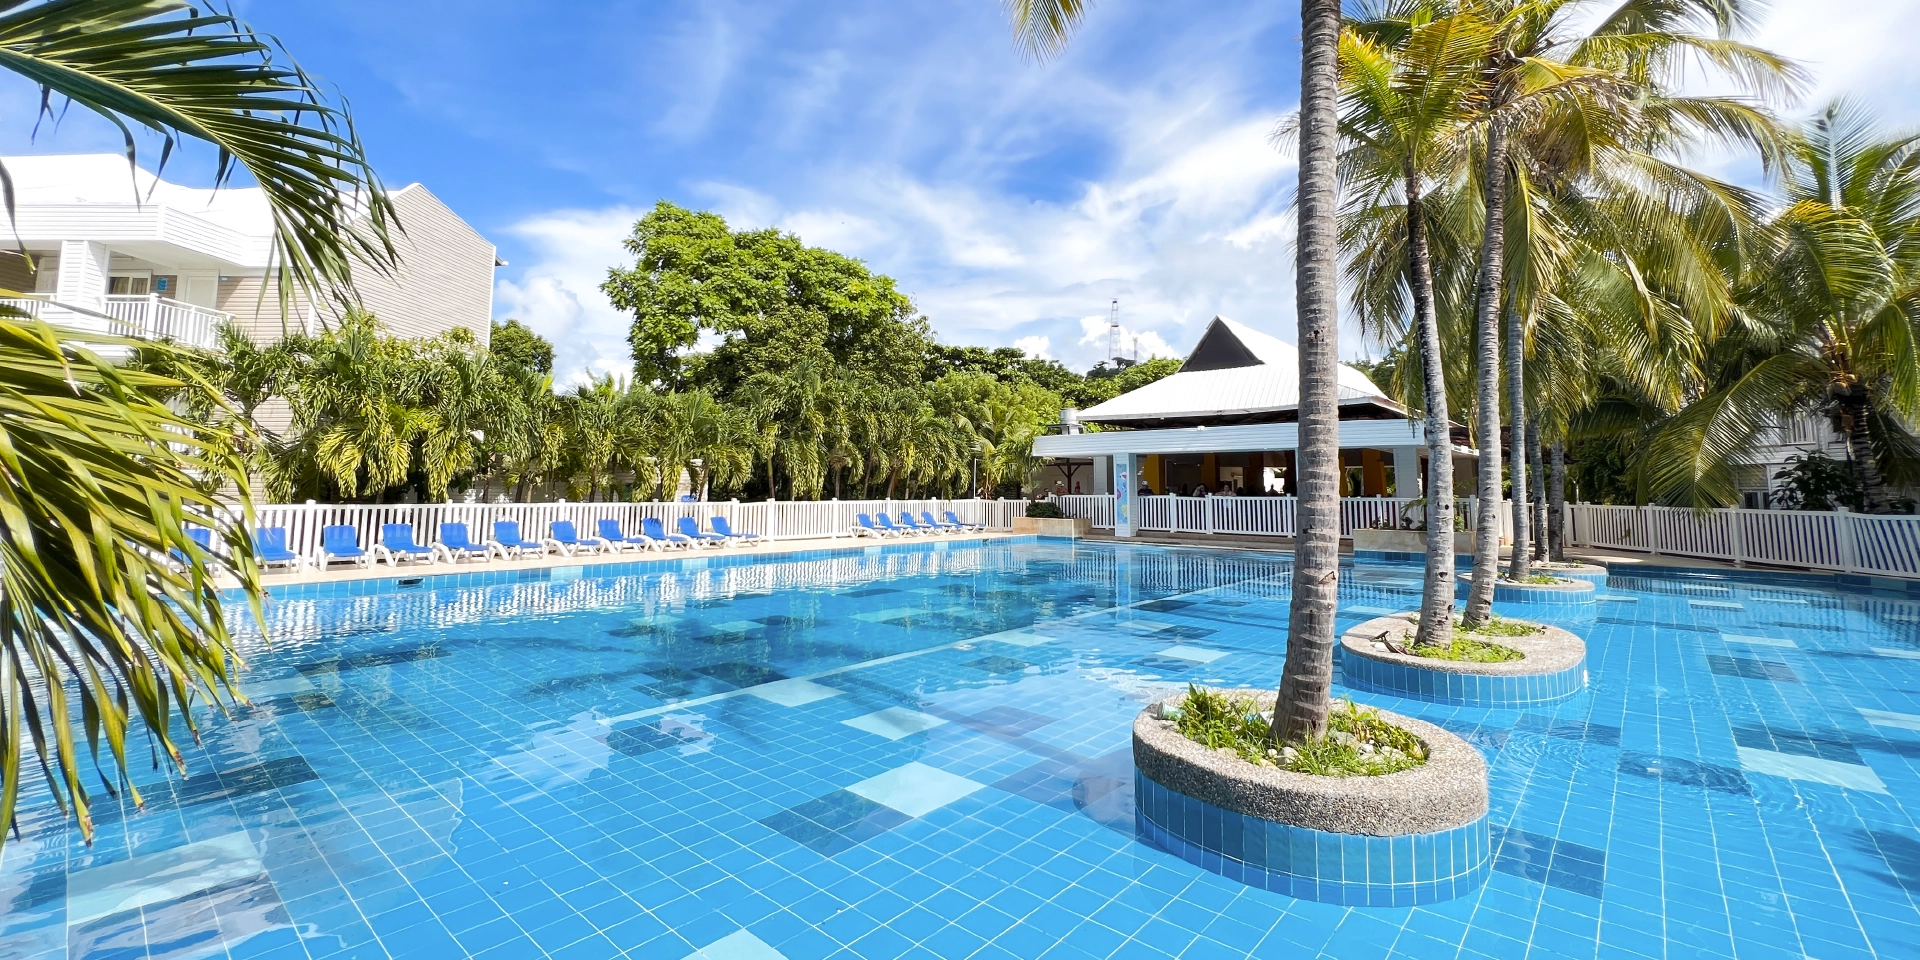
column 352, row 414
column 108, row 609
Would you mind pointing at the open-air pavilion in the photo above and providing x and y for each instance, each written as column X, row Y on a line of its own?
column 1228, row 421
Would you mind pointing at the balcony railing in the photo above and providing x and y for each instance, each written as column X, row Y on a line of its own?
column 154, row 317
column 145, row 317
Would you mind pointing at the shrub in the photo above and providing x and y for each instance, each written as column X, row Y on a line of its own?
column 1358, row 743
column 1044, row 510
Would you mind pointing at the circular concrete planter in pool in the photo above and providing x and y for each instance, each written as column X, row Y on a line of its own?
column 1561, row 591
column 1554, row 667
column 1413, row 837
column 1591, row 572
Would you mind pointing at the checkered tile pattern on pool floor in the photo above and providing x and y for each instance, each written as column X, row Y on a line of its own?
column 926, row 754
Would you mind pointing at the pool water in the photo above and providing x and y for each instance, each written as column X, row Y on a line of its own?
column 923, row 752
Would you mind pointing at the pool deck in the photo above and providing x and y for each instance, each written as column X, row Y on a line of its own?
column 341, row 573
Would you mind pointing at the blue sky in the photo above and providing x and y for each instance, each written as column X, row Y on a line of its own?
column 1011, row 199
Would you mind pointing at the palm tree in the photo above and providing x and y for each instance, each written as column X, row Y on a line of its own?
column 1408, row 80
column 594, row 417
column 461, row 388
column 1306, row 682
column 355, row 398
column 1568, row 90
column 1830, row 321
column 97, row 475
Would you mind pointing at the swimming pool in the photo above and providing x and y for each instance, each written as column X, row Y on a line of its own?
column 923, row 751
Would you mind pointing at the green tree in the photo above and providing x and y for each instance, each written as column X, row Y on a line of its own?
column 512, row 342
column 1408, row 80
column 771, row 300
column 1103, row 383
column 1830, row 309
column 97, row 477
column 1577, row 94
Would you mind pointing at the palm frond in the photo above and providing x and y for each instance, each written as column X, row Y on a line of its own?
column 183, row 72
column 103, row 596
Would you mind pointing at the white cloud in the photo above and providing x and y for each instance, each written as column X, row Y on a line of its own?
column 1185, row 218
column 1858, row 49
column 1035, row 347
column 558, row 295
column 1190, row 224
column 1098, row 338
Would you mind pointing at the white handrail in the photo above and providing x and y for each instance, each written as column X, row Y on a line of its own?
column 1887, row 546
column 154, row 317
column 1246, row 516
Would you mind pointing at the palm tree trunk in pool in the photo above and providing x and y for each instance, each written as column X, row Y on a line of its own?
column 1305, row 685
column 1557, row 503
column 1436, row 598
column 1860, row 448
column 1486, row 544
column 1520, row 562
column 1537, row 490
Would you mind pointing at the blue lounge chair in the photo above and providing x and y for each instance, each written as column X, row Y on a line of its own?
column 342, row 542
column 926, row 519
column 725, row 529
column 962, row 524
column 460, row 547
column 199, row 535
column 610, row 532
column 396, row 544
column 690, row 528
column 506, row 536
column 865, row 528
column 569, row 541
column 652, row 527
column 907, row 523
column 270, row 547
column 888, row 526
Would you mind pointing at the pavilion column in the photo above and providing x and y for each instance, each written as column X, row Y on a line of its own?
column 1407, row 477
column 1126, row 487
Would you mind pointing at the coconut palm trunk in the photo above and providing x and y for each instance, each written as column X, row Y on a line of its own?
column 1853, row 416
column 1519, row 563
column 1537, row 490
column 1557, row 502
column 1488, row 299
column 1437, row 596
column 1301, row 711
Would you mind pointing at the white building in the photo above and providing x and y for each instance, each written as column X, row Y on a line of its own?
column 1230, row 418
column 116, row 249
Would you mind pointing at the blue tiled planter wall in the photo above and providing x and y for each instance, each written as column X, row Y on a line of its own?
column 1342, row 868
column 1461, row 689
column 1597, row 579
column 1516, row 593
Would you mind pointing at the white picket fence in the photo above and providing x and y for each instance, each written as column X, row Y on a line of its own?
column 1887, row 546
column 1252, row 516
column 777, row 520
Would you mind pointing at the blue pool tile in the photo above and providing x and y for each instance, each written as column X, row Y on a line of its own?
column 1679, row 805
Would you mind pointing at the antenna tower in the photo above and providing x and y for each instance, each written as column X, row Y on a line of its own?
column 1113, row 331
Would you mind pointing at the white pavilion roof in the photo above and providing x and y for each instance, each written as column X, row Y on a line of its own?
column 1234, row 371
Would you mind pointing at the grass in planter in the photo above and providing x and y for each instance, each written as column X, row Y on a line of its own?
column 1358, row 742
column 1467, row 650
column 1468, row 647
column 1498, row 627
column 1539, row 579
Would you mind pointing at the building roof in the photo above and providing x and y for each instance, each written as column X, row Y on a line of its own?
column 1235, row 374
column 105, row 179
